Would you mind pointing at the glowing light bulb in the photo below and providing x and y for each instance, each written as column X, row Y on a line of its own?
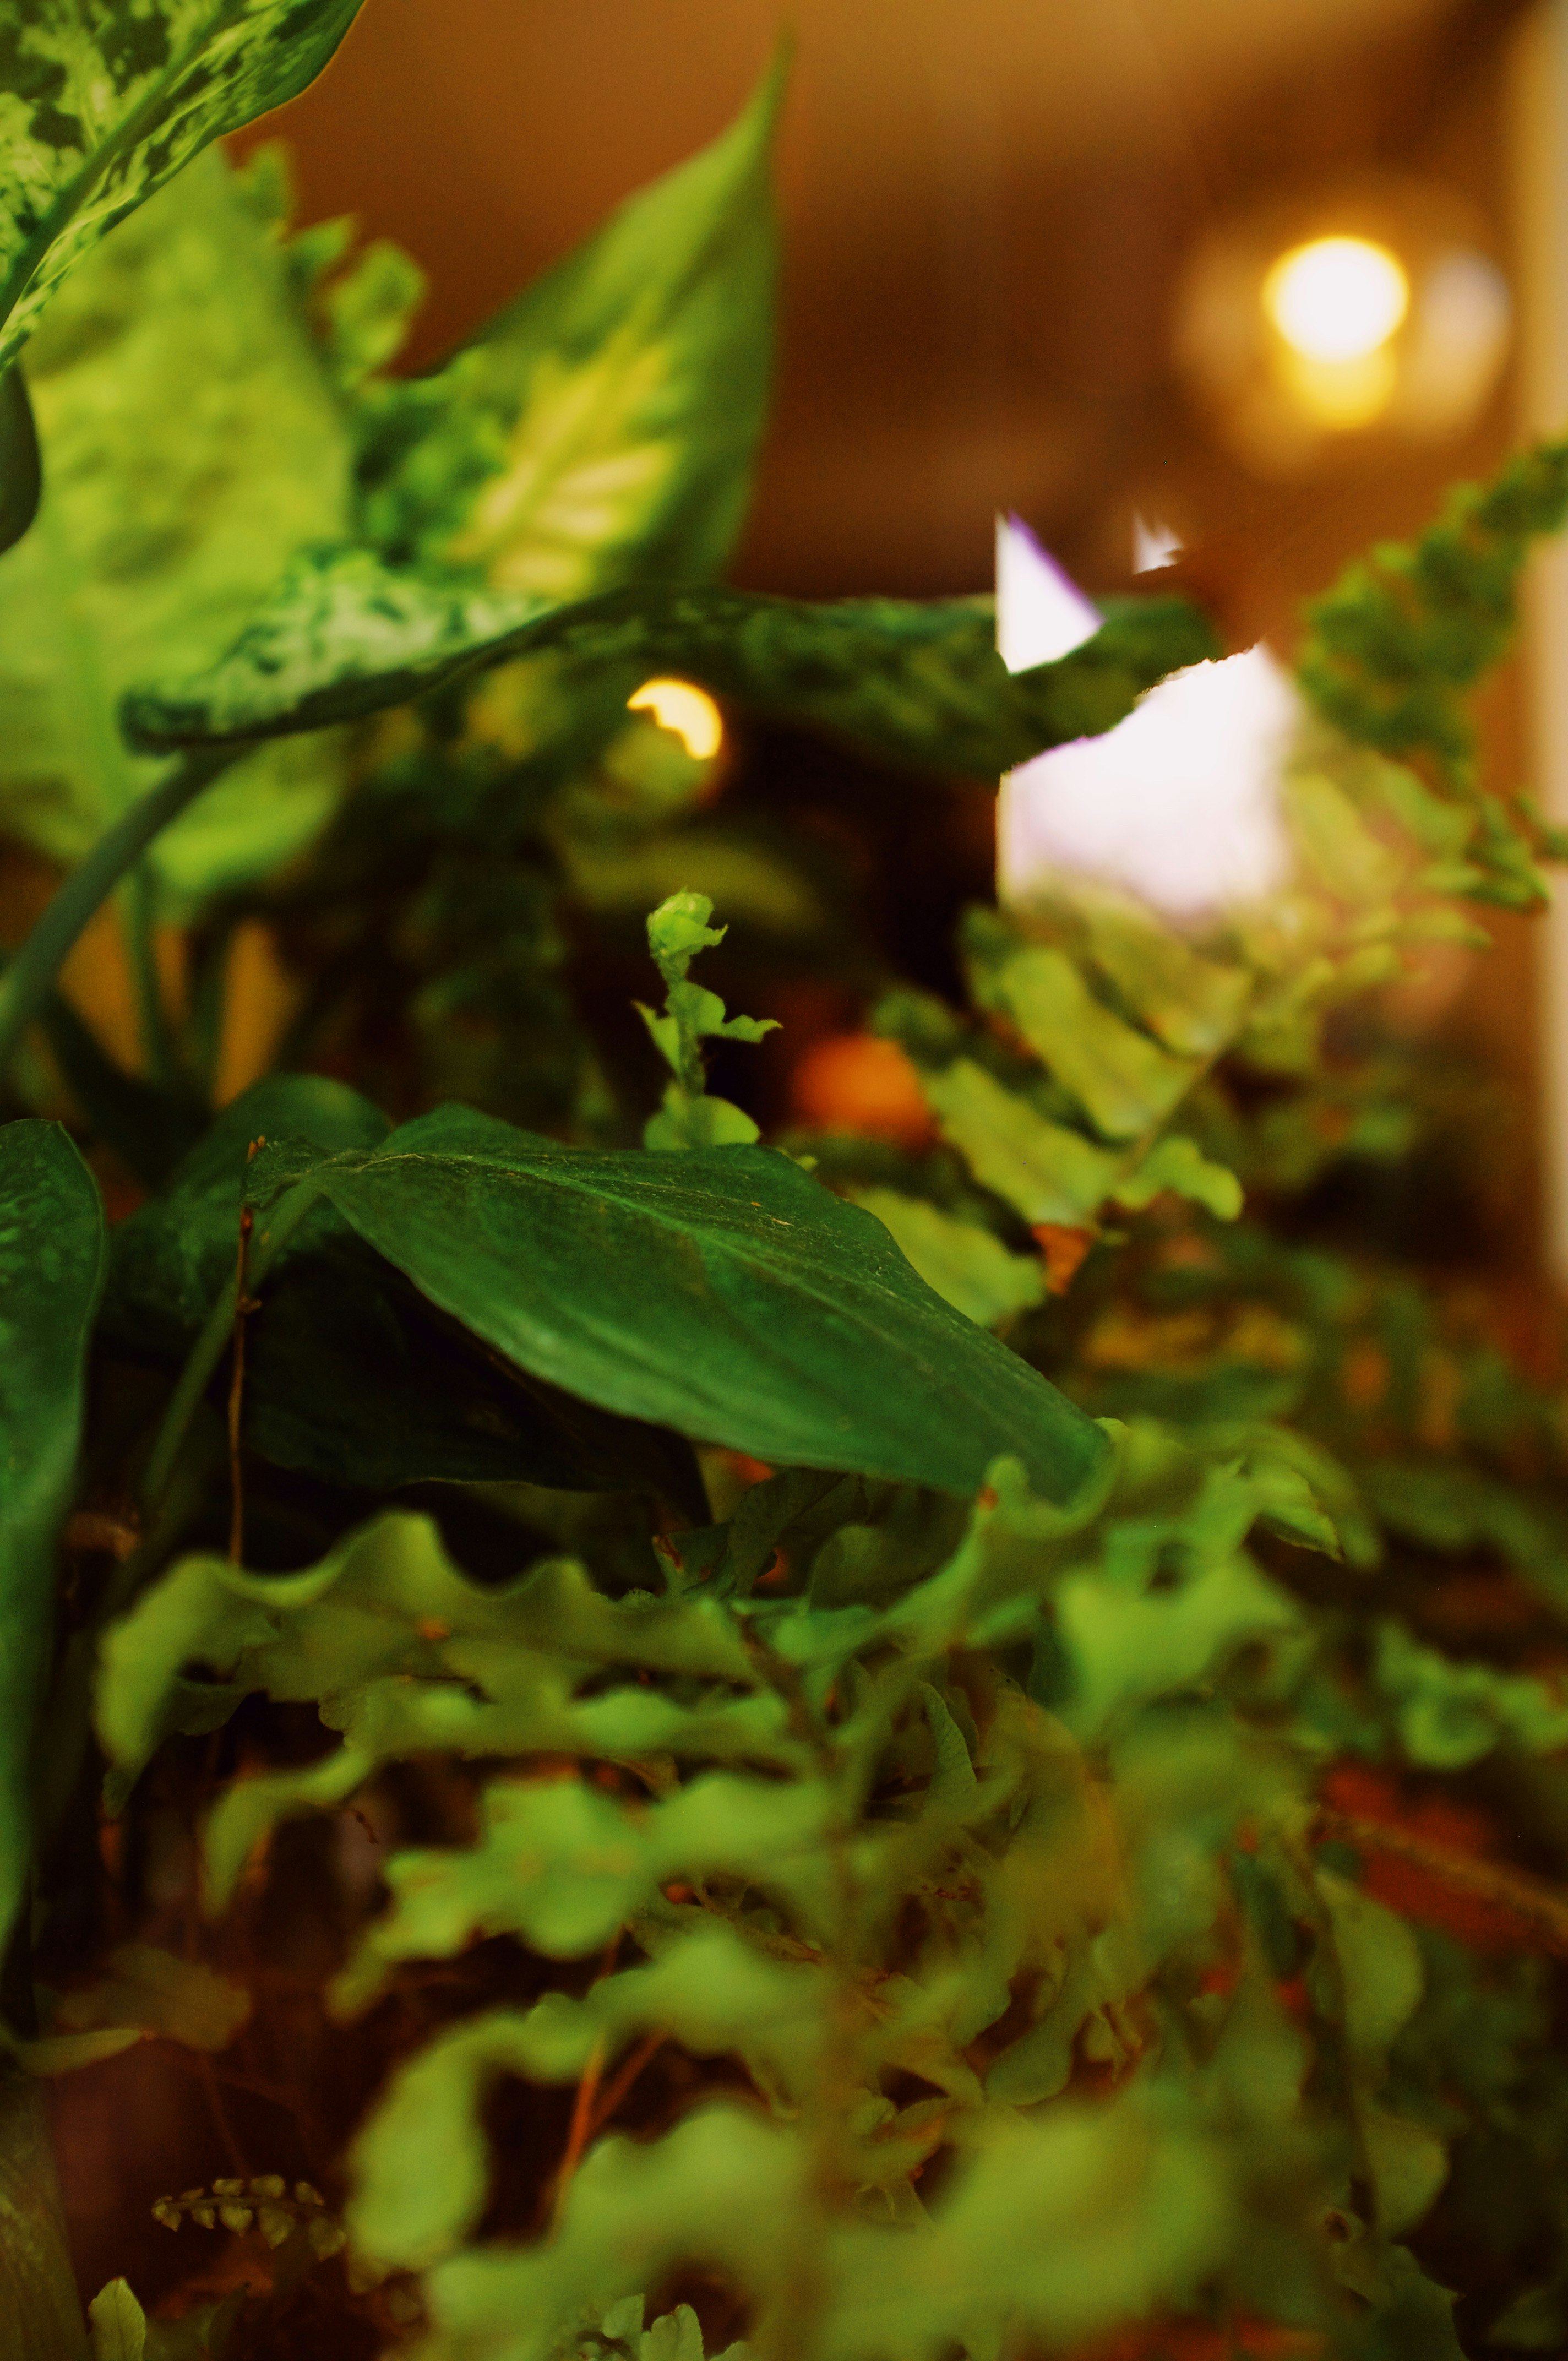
column 1337, row 299
column 1178, row 805
column 1041, row 613
column 681, row 706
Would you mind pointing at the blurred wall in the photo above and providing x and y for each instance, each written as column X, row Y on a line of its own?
column 987, row 207
column 985, row 203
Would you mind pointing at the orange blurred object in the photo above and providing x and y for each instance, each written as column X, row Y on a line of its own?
column 855, row 1081
column 1197, row 2340
column 261, row 998
column 1064, row 1250
column 1414, row 1890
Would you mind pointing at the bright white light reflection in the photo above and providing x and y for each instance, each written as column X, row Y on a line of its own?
column 1155, row 547
column 1337, row 299
column 681, row 706
column 1041, row 613
column 1178, row 805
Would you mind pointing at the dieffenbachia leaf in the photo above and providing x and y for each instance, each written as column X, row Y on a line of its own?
column 603, row 427
column 916, row 683
column 51, row 1257
column 193, row 443
column 103, row 104
column 722, row 1293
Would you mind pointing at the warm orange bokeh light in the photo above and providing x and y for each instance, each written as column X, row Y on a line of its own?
column 853, row 1081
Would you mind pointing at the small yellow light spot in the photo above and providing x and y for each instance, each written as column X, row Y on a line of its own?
column 1337, row 299
column 689, row 711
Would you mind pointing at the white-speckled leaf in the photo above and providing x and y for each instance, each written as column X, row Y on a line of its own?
column 344, row 635
column 603, row 427
column 102, row 101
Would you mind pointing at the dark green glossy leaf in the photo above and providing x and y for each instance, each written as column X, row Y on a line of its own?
column 21, row 476
column 170, row 1259
column 915, row 683
column 722, row 1293
column 351, row 1374
column 52, row 1254
column 151, row 1129
column 106, row 102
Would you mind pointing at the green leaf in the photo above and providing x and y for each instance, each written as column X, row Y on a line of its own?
column 104, row 105
column 562, row 1868
column 954, row 1787
column 1380, row 1964
column 51, row 1258
column 171, row 1257
column 923, row 685
column 684, row 1122
column 157, row 1991
column 605, row 426
column 1410, row 2318
column 678, row 931
column 21, row 475
column 405, row 1656
column 251, row 1810
column 710, row 1991
column 1449, row 1715
column 201, row 1612
column 725, row 2185
column 1044, row 1170
column 192, row 443
column 690, row 1116
column 1123, row 1079
column 1064, row 2227
column 1125, row 1647
column 1192, row 1003
column 968, row 1268
column 1535, row 2321
column 1181, row 1166
column 1446, row 1505
column 723, row 1292
column 1407, row 2163
column 1401, row 635
column 421, row 2165
column 368, row 309
column 116, row 2323
column 350, row 1373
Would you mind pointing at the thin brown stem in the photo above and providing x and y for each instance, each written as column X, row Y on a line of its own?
column 581, row 2131
column 617, row 2089
column 1544, row 1907
column 242, row 1306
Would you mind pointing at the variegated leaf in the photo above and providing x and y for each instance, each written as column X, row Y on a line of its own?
column 101, row 104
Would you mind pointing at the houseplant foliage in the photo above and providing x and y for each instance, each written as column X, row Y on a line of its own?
column 925, row 1782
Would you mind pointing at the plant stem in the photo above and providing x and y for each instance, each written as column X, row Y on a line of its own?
column 242, row 1306
column 1542, row 1906
column 580, row 2133
column 140, row 908
column 31, row 973
column 217, row 1332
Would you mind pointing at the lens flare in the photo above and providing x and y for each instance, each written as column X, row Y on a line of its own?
column 1041, row 613
column 1178, row 805
column 688, row 711
column 1337, row 299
